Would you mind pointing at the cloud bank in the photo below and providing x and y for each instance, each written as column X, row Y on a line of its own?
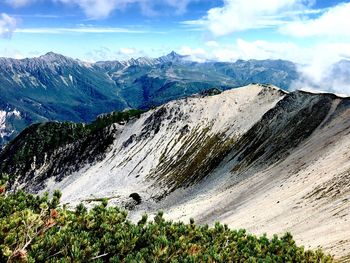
column 83, row 29
column 324, row 35
column 100, row 9
column 7, row 25
column 240, row 15
column 318, row 64
column 335, row 22
column 19, row 3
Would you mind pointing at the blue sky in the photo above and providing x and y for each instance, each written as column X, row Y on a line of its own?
column 298, row 30
column 127, row 31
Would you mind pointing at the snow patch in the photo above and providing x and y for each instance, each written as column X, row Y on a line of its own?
column 71, row 78
column 4, row 115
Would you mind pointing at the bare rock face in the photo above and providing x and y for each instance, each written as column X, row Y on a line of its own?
column 254, row 157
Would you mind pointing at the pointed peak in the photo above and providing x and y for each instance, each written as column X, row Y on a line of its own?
column 51, row 55
column 54, row 57
column 174, row 55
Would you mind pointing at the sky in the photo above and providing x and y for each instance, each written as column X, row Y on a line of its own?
column 205, row 29
column 313, row 33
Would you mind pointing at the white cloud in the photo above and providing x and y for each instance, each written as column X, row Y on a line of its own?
column 334, row 22
column 11, row 53
column 212, row 43
column 64, row 30
column 240, row 15
column 19, row 3
column 261, row 49
column 99, row 9
column 225, row 54
column 317, row 70
column 294, row 18
column 308, row 56
column 291, row 17
column 194, row 54
column 315, row 63
column 7, row 25
column 107, row 54
column 127, row 51
column 179, row 5
column 243, row 49
column 99, row 54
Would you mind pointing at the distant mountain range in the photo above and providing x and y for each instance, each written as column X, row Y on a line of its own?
column 53, row 87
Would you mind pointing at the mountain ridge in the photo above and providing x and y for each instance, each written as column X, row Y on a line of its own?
column 247, row 157
column 55, row 87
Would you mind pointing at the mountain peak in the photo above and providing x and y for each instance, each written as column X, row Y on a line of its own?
column 54, row 57
column 174, row 55
column 51, row 54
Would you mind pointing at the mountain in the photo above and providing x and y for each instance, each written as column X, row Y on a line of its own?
column 53, row 87
column 255, row 157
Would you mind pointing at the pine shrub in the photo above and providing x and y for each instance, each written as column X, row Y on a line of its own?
column 36, row 229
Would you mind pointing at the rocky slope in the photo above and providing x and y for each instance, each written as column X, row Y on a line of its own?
column 254, row 157
column 53, row 87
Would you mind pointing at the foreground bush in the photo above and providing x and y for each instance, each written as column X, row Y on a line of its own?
column 33, row 229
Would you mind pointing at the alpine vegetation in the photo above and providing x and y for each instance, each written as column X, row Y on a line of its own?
column 36, row 229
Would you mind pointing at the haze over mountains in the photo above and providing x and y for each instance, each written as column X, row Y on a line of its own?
column 254, row 157
column 55, row 87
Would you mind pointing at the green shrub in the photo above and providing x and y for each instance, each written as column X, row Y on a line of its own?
column 35, row 229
